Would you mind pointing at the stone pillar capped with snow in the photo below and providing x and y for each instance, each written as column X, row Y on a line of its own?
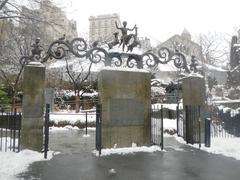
column 194, row 99
column 125, row 97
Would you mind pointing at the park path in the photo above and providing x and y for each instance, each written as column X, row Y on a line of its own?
column 177, row 163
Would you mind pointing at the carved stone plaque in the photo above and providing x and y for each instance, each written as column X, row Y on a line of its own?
column 126, row 112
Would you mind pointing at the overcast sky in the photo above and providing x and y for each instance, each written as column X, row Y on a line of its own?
column 160, row 19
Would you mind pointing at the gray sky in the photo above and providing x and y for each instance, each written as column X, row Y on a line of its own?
column 160, row 19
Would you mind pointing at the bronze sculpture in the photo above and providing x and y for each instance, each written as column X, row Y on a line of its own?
column 125, row 37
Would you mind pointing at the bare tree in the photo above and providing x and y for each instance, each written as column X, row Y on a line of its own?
column 11, row 70
column 16, row 39
column 78, row 79
column 215, row 47
column 12, row 9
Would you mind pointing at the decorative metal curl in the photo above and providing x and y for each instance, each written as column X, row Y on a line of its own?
column 97, row 55
column 150, row 59
column 137, row 59
column 116, row 59
column 79, row 48
column 179, row 60
column 165, row 55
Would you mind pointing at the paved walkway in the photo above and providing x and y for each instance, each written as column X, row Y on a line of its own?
column 179, row 162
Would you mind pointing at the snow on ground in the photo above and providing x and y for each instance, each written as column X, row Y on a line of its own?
column 224, row 146
column 72, row 117
column 69, row 127
column 169, row 124
column 86, row 135
column 13, row 163
column 127, row 150
column 167, row 106
column 219, row 145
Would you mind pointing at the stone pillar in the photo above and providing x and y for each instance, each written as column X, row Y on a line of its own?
column 194, row 95
column 49, row 98
column 33, row 106
column 125, row 96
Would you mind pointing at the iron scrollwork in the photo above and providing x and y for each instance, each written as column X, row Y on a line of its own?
column 59, row 49
column 165, row 56
column 97, row 53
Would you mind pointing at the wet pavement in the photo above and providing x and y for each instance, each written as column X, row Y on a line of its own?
column 179, row 162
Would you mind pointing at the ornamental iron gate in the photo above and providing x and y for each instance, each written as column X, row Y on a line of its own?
column 10, row 130
column 157, row 125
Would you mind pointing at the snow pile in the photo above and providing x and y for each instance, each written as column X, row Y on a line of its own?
column 224, row 146
column 14, row 163
column 233, row 112
column 127, row 150
column 169, row 124
column 192, row 74
column 70, row 93
column 72, row 117
column 65, row 128
column 124, row 69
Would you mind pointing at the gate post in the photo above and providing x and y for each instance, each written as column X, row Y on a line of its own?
column 177, row 111
column 33, row 106
column 207, row 132
column 98, row 128
column 46, row 130
column 161, row 127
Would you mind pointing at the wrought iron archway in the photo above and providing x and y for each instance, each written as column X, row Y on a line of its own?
column 96, row 53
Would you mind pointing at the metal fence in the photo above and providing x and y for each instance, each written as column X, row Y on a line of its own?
column 10, row 131
column 218, row 130
column 157, row 125
column 193, row 124
column 225, row 124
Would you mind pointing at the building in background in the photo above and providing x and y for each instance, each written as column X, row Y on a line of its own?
column 184, row 44
column 145, row 43
column 5, row 27
column 61, row 24
column 102, row 27
column 53, row 21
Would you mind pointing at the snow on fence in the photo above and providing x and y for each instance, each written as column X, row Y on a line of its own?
column 225, row 122
column 219, row 131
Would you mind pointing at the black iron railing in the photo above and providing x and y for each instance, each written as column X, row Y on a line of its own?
column 10, row 130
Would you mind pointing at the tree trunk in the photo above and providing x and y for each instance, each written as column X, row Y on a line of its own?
column 77, row 102
column 13, row 102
